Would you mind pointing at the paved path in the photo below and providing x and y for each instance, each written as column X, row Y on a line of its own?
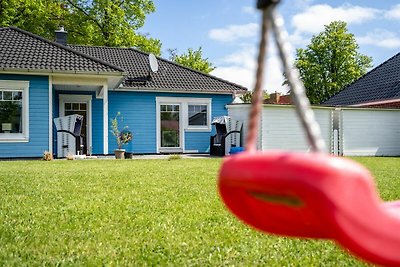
column 160, row 156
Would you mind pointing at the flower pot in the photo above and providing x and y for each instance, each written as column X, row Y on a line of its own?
column 119, row 153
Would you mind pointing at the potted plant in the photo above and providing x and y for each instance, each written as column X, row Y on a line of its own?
column 123, row 136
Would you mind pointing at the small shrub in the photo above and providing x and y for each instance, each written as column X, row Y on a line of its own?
column 174, row 157
column 47, row 156
column 123, row 136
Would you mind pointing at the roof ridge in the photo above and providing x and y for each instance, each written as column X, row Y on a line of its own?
column 361, row 77
column 65, row 48
column 192, row 70
column 100, row 46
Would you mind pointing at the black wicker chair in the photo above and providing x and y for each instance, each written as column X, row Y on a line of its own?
column 218, row 141
column 76, row 134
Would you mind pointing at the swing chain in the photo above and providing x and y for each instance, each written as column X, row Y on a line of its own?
column 302, row 104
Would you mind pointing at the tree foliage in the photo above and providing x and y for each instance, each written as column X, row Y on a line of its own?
column 248, row 97
column 88, row 22
column 192, row 59
column 330, row 62
column 39, row 17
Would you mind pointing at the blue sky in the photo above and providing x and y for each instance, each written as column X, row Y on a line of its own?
column 228, row 31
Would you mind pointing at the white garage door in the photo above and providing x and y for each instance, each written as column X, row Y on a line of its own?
column 281, row 128
column 370, row 132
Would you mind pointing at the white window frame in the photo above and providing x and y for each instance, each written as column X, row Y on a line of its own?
column 181, row 135
column 184, row 102
column 19, row 86
column 198, row 128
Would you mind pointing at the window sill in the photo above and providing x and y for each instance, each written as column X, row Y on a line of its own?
column 198, row 129
column 14, row 139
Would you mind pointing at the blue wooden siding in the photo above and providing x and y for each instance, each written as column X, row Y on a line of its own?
column 97, row 125
column 38, row 119
column 139, row 112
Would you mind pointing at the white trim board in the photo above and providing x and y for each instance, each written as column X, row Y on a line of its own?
column 177, row 91
column 105, row 118
column 50, row 115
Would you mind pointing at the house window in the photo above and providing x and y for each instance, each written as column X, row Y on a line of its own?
column 197, row 115
column 195, row 112
column 10, row 111
column 13, row 111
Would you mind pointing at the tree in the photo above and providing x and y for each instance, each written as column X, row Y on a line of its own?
column 39, row 17
column 88, row 22
column 192, row 59
column 330, row 62
column 248, row 96
column 111, row 23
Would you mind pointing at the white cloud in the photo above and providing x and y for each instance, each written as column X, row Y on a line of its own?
column 381, row 38
column 240, row 67
column 234, row 32
column 236, row 74
column 274, row 75
column 313, row 19
column 299, row 40
column 302, row 3
column 249, row 10
column 245, row 57
column 393, row 13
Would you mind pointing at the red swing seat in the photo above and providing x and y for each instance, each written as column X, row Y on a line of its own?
column 312, row 195
column 307, row 195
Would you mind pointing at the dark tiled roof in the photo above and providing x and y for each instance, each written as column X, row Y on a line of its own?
column 170, row 76
column 381, row 83
column 21, row 50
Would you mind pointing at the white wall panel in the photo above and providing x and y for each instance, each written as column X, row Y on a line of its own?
column 370, row 132
column 281, row 129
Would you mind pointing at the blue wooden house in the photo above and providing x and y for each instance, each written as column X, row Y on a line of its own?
column 168, row 111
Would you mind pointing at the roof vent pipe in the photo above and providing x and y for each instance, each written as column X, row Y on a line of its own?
column 61, row 36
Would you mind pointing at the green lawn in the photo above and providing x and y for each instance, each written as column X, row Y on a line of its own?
column 142, row 213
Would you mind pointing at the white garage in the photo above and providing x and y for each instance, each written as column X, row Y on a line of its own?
column 369, row 132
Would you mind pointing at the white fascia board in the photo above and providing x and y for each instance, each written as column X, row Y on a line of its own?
column 78, row 80
column 49, row 72
column 381, row 102
column 178, row 91
column 244, row 105
column 65, row 77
